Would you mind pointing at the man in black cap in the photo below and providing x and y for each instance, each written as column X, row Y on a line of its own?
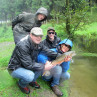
column 24, row 22
column 51, row 40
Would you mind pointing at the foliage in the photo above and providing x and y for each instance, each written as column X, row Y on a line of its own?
column 17, row 6
column 90, row 54
column 58, row 10
column 88, row 31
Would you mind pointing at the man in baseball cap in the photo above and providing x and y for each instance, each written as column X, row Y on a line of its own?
column 36, row 35
column 23, row 64
column 51, row 40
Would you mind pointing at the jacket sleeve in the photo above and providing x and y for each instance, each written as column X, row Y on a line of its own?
column 18, row 19
column 26, row 60
column 42, row 58
column 59, row 40
column 49, row 53
column 43, row 42
column 65, row 66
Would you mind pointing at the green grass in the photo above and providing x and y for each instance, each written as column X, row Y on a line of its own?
column 8, row 87
column 6, row 33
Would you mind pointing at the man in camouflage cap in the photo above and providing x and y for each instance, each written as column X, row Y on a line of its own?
column 51, row 40
column 23, row 64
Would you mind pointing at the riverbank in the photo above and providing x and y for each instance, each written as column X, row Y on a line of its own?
column 83, row 81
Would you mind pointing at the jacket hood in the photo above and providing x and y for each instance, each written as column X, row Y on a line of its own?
column 43, row 11
column 66, row 41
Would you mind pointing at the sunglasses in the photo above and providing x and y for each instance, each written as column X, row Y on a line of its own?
column 68, row 46
column 51, row 32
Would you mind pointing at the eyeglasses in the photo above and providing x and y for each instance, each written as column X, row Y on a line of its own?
column 51, row 32
column 37, row 35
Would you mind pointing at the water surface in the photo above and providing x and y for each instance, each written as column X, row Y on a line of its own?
column 83, row 82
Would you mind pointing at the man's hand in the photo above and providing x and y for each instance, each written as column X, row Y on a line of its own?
column 48, row 65
column 68, row 58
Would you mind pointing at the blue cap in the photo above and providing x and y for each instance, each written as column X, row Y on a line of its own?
column 67, row 41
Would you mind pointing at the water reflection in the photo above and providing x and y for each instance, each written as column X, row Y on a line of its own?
column 83, row 82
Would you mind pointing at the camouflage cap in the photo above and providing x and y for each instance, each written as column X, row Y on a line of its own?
column 50, row 28
column 36, row 31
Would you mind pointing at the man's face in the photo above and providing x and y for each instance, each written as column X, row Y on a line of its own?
column 51, row 34
column 36, row 39
column 65, row 48
column 40, row 17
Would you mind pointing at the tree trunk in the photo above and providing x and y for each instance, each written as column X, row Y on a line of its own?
column 90, row 5
column 57, row 20
column 67, row 18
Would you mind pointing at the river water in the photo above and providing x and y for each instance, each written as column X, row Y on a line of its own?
column 83, row 81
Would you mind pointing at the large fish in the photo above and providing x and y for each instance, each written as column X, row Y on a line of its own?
column 59, row 60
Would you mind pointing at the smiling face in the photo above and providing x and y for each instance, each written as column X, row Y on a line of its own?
column 51, row 34
column 40, row 17
column 36, row 39
column 64, row 48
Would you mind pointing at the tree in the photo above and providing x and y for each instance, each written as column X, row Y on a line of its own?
column 68, row 17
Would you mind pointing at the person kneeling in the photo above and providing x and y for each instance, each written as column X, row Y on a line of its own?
column 23, row 65
column 59, row 72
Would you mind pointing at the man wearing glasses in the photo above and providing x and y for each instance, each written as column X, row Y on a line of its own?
column 23, row 64
column 51, row 40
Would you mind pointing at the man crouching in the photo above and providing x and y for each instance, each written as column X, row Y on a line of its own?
column 23, row 65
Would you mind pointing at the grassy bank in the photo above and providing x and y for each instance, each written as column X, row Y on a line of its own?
column 6, row 33
column 87, row 31
column 8, row 87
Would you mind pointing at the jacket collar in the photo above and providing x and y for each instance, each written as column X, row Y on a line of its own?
column 47, row 38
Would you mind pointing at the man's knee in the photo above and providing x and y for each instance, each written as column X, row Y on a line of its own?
column 29, row 77
column 65, row 76
column 57, row 69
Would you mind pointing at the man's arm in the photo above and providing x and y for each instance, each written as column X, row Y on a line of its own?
column 18, row 19
column 48, row 52
column 26, row 60
column 42, row 58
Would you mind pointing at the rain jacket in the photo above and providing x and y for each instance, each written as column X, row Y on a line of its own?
column 51, row 44
column 25, row 55
column 24, row 22
column 42, row 58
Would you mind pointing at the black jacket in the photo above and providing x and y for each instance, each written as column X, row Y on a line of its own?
column 25, row 55
column 51, row 44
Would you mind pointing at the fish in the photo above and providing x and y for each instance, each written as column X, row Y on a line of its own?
column 59, row 60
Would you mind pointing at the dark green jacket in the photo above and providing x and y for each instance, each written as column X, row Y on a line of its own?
column 24, row 22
